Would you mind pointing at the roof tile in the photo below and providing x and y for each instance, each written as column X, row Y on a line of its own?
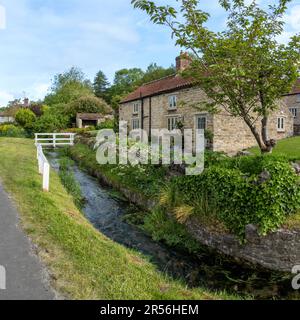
column 166, row 84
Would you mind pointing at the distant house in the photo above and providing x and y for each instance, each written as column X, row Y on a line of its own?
column 84, row 120
column 168, row 101
column 293, row 102
column 5, row 117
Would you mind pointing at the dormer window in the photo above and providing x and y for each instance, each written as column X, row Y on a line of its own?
column 136, row 107
column 172, row 102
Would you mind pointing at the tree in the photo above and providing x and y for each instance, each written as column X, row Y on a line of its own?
column 100, row 85
column 68, row 87
column 243, row 68
column 155, row 72
column 87, row 105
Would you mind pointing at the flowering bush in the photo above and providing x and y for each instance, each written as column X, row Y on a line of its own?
column 10, row 130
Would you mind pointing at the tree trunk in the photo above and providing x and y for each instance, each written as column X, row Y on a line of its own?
column 269, row 143
column 262, row 140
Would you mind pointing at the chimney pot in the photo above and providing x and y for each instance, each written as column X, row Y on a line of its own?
column 183, row 61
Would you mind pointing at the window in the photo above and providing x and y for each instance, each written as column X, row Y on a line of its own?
column 172, row 123
column 172, row 102
column 136, row 107
column 135, row 124
column 280, row 124
column 201, row 122
column 298, row 98
column 293, row 111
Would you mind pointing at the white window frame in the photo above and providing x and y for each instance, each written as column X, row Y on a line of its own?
column 280, row 124
column 294, row 111
column 197, row 116
column 136, row 107
column 172, row 102
column 169, row 118
column 133, row 121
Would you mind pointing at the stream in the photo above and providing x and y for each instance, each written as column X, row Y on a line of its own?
column 207, row 269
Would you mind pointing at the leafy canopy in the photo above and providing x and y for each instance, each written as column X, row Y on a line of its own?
column 244, row 68
column 69, row 86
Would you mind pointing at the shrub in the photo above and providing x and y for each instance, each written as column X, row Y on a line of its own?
column 107, row 124
column 10, row 130
column 264, row 197
column 25, row 118
column 51, row 122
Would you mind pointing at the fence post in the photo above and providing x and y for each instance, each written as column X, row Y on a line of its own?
column 46, row 175
column 54, row 140
column 72, row 139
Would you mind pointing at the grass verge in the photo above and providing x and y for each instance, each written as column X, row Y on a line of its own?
column 289, row 147
column 83, row 263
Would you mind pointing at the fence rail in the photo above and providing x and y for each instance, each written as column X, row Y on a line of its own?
column 54, row 139
column 50, row 140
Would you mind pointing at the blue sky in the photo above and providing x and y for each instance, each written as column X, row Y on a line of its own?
column 44, row 37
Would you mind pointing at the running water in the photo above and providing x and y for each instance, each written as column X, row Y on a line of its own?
column 207, row 268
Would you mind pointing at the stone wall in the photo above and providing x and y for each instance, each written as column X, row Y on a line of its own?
column 230, row 133
column 293, row 101
column 279, row 250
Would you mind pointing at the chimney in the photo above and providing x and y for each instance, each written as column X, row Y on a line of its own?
column 183, row 61
column 26, row 102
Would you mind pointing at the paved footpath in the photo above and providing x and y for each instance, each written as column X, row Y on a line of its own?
column 25, row 276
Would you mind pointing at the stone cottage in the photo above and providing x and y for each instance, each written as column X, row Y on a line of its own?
column 84, row 120
column 165, row 102
column 293, row 102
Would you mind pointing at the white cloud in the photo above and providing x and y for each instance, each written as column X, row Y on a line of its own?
column 293, row 18
column 39, row 91
column 117, row 32
column 5, row 97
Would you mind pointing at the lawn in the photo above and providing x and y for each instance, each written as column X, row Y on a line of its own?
column 289, row 147
column 83, row 263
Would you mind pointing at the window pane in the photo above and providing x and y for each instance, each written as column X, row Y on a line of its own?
column 172, row 101
column 201, row 123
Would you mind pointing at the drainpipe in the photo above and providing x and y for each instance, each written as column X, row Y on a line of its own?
column 142, row 112
column 150, row 117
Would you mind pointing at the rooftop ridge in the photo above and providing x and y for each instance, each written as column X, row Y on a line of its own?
column 153, row 81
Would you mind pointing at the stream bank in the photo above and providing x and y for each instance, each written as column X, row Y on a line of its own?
column 205, row 268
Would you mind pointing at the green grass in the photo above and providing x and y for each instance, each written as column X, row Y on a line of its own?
column 83, row 263
column 289, row 147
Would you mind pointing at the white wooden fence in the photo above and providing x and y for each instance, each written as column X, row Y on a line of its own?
column 44, row 167
column 54, row 139
column 50, row 140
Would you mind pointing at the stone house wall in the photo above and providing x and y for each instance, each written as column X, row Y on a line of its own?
column 230, row 133
column 293, row 101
